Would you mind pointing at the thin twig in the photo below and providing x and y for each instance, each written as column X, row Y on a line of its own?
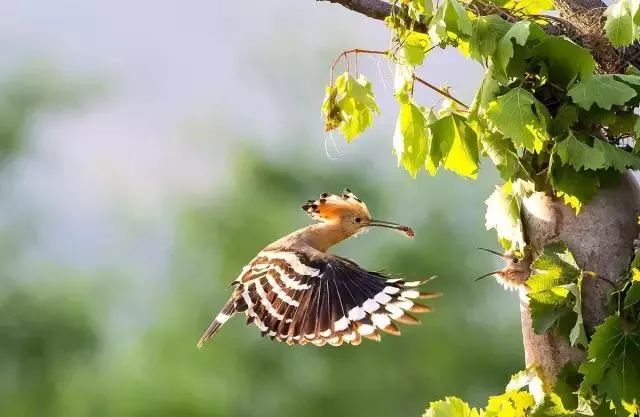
column 352, row 51
column 439, row 91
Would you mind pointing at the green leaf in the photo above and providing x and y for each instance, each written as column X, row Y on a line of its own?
column 504, row 156
column 503, row 212
column 510, row 404
column 566, row 116
column 485, row 35
column 521, row 117
column 615, row 157
column 612, row 365
column 553, row 407
column 414, row 47
column 484, row 96
column 454, row 145
column 633, row 295
column 620, row 26
column 576, row 188
column 565, row 60
column 349, row 105
column 519, row 33
column 450, row 407
column 418, row 9
column 602, row 90
column 449, row 22
column 554, row 267
column 555, row 299
column 578, row 154
column 410, row 138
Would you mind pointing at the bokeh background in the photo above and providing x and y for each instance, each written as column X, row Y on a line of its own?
column 149, row 149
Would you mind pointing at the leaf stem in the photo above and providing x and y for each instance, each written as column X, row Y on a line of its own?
column 439, row 91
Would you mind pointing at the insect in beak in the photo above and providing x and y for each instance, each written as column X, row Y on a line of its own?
column 390, row 225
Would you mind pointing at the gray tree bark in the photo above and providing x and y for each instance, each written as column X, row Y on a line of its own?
column 601, row 239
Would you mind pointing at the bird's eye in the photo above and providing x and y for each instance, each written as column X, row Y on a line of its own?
column 358, row 219
column 514, row 260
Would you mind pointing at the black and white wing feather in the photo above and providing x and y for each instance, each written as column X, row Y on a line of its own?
column 292, row 297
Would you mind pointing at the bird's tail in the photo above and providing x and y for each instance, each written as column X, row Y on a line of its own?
column 227, row 312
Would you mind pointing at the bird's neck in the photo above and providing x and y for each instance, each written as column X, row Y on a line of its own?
column 320, row 236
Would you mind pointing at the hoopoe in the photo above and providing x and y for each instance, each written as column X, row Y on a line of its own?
column 516, row 271
column 294, row 291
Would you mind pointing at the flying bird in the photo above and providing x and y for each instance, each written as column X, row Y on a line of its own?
column 296, row 292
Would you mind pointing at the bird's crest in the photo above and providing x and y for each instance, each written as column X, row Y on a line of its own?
column 331, row 206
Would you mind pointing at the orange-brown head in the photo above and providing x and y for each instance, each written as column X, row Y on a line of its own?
column 516, row 271
column 349, row 212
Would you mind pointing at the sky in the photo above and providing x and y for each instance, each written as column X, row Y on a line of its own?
column 181, row 82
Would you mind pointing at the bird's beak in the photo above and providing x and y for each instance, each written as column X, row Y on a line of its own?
column 494, row 272
column 488, row 275
column 390, row 225
column 494, row 252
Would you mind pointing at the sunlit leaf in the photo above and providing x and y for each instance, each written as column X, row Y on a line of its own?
column 450, row 407
column 620, row 26
column 454, row 145
column 503, row 213
column 410, row 138
column 349, row 104
column 449, row 21
column 520, row 117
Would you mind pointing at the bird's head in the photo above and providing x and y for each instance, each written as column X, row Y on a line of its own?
column 516, row 271
column 349, row 212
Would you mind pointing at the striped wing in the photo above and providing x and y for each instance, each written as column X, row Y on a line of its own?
column 293, row 298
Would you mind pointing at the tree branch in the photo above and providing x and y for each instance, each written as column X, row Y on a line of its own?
column 375, row 9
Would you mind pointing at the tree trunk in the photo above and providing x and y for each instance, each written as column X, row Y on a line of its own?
column 601, row 240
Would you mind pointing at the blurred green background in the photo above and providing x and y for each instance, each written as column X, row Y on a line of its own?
column 149, row 151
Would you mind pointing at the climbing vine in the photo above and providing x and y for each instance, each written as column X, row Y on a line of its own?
column 553, row 120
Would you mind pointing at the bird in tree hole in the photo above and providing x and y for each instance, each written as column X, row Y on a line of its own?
column 296, row 292
column 516, row 271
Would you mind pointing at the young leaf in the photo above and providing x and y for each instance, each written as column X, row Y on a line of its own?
column 603, row 90
column 503, row 214
column 414, row 47
column 521, row 117
column 578, row 154
column 450, row 21
column 612, row 363
column 620, row 26
column 349, row 105
column 450, row 407
column 418, row 9
column 454, row 144
column 410, row 138
column 519, row 33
